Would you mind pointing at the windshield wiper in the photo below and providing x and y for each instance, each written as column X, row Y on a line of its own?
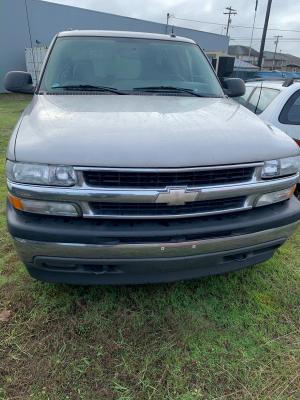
column 169, row 89
column 91, row 88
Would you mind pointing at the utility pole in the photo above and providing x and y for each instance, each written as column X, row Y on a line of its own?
column 168, row 17
column 263, row 39
column 230, row 12
column 281, row 59
column 277, row 37
column 252, row 32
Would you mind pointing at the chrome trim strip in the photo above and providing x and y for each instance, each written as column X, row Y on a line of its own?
column 146, row 195
column 28, row 249
column 87, row 213
column 81, row 194
column 182, row 169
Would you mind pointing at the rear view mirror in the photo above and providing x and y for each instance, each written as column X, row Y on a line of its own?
column 234, row 87
column 19, row 82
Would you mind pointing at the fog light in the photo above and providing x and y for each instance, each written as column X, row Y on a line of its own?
column 43, row 207
column 275, row 197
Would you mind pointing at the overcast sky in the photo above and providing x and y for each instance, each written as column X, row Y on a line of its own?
column 285, row 14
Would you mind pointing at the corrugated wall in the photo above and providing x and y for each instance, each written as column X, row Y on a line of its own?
column 46, row 19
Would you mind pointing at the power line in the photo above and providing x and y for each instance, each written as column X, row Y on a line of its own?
column 201, row 22
column 269, row 29
column 235, row 26
column 268, row 38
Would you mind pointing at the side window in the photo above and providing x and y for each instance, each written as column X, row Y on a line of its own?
column 261, row 99
column 244, row 99
column 290, row 113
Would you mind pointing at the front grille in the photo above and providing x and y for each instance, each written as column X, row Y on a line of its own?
column 157, row 209
column 158, row 180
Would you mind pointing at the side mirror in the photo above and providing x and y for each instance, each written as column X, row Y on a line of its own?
column 234, row 87
column 19, row 82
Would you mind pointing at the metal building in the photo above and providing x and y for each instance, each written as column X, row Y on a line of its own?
column 29, row 23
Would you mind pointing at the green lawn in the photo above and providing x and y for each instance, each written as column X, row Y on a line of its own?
column 229, row 337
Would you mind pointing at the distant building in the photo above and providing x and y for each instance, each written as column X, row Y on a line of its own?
column 242, row 53
column 278, row 62
column 281, row 61
column 293, row 67
column 46, row 19
column 243, row 69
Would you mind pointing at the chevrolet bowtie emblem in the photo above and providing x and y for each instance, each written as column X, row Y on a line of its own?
column 176, row 196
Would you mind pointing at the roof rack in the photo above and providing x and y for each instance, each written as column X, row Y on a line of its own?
column 288, row 82
column 278, row 78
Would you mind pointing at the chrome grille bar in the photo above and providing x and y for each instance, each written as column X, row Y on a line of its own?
column 83, row 195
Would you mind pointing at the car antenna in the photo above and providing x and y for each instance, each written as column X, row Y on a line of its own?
column 258, row 100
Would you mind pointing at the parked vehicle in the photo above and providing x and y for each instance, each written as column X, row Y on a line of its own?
column 276, row 75
column 132, row 165
column 275, row 102
column 264, row 75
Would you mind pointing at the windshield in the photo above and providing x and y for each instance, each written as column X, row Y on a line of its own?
column 128, row 65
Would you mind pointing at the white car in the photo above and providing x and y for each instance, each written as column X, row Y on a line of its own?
column 276, row 102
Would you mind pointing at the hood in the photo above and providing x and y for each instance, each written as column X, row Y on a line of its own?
column 145, row 131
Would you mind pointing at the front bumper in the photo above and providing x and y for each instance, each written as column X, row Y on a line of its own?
column 107, row 252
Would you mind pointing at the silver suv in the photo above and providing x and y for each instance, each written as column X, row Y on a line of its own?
column 133, row 165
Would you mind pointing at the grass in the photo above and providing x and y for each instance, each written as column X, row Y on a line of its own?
column 228, row 337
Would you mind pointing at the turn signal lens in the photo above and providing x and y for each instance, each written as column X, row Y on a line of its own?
column 43, row 207
column 276, row 197
column 15, row 202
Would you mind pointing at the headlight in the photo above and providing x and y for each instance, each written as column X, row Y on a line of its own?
column 39, row 174
column 282, row 167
